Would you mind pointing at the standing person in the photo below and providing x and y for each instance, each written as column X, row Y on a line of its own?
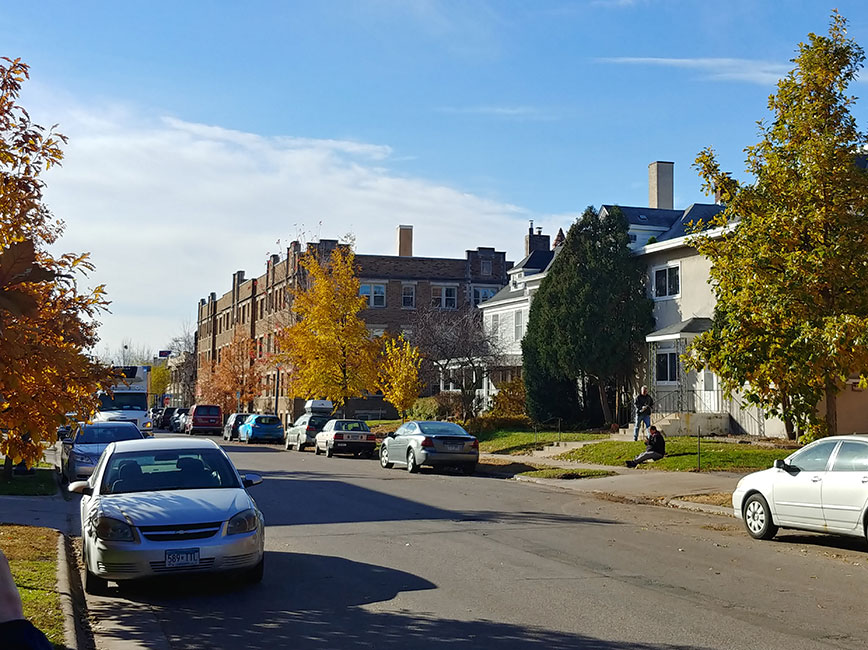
column 644, row 402
column 655, row 448
column 16, row 632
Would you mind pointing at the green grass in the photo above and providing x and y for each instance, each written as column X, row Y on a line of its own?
column 377, row 423
column 524, row 442
column 32, row 555
column 562, row 473
column 40, row 484
column 681, row 455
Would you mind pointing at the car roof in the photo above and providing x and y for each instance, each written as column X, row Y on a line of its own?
column 851, row 436
column 165, row 444
column 111, row 423
column 345, row 420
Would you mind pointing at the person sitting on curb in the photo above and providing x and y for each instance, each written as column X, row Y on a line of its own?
column 16, row 632
column 655, row 448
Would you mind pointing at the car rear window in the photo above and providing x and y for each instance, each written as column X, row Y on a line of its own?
column 267, row 420
column 351, row 425
column 433, row 428
column 208, row 410
column 318, row 421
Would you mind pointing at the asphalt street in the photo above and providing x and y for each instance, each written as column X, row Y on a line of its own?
column 358, row 557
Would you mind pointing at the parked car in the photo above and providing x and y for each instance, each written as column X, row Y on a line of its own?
column 128, row 532
column 303, row 432
column 176, row 422
column 204, row 418
column 345, row 437
column 822, row 487
column 79, row 454
column 165, row 417
column 418, row 443
column 230, row 429
column 155, row 414
column 267, row 428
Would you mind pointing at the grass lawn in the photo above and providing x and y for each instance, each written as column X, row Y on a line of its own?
column 563, row 473
column 32, row 555
column 524, row 442
column 681, row 455
column 40, row 484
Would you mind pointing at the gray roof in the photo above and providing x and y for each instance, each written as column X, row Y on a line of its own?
column 650, row 217
column 536, row 262
column 689, row 326
column 697, row 213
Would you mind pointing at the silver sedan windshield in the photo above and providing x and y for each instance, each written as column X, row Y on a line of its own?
column 167, row 470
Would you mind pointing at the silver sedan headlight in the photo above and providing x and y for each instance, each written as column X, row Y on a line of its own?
column 113, row 530
column 84, row 459
column 243, row 522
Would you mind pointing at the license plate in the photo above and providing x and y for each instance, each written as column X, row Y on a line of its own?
column 182, row 557
column 454, row 447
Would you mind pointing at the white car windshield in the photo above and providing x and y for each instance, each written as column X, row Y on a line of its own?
column 149, row 471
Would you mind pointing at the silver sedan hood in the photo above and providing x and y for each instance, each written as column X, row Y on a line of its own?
column 176, row 506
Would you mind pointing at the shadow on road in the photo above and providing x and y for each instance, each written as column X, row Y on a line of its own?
column 315, row 601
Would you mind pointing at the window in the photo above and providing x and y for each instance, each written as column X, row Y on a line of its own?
column 852, row 457
column 485, row 267
column 444, row 297
column 519, row 325
column 667, row 282
column 667, row 367
column 375, row 294
column 495, row 324
column 408, row 296
column 632, row 238
column 814, row 457
column 481, row 294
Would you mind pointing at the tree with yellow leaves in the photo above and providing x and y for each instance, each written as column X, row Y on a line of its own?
column 236, row 378
column 328, row 350
column 46, row 321
column 398, row 376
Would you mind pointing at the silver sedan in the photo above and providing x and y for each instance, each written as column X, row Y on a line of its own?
column 164, row 507
column 418, row 443
column 80, row 453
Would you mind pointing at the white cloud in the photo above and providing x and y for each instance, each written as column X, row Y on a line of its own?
column 506, row 112
column 170, row 209
column 720, row 69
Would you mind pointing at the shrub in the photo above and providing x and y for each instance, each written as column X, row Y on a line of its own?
column 510, row 398
column 448, row 405
column 424, row 408
column 488, row 423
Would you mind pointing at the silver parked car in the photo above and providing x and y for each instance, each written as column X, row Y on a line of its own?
column 418, row 443
column 165, row 507
column 79, row 454
column 303, row 433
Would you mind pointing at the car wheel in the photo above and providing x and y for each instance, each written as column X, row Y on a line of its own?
column 287, row 444
column 758, row 518
column 329, row 451
column 256, row 573
column 316, row 449
column 384, row 458
column 469, row 468
column 249, row 439
column 299, row 445
column 94, row 585
column 412, row 467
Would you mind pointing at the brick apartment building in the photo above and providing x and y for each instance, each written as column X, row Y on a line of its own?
column 393, row 284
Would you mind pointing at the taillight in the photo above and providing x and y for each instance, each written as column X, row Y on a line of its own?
column 310, row 429
column 371, row 437
column 427, row 442
column 475, row 444
column 339, row 436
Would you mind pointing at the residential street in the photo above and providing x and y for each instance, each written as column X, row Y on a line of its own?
column 358, row 556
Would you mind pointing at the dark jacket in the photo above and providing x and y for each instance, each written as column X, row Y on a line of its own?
column 656, row 442
column 644, row 404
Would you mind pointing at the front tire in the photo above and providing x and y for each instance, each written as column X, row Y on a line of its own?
column 384, row 458
column 316, row 449
column 412, row 467
column 287, row 444
column 329, row 451
column 758, row 518
column 254, row 577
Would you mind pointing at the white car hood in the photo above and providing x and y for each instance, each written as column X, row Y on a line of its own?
column 176, row 506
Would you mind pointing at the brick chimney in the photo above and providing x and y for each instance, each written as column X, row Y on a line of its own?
column 661, row 185
column 535, row 241
column 405, row 241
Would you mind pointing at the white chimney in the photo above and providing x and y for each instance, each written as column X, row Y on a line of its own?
column 661, row 185
column 405, row 241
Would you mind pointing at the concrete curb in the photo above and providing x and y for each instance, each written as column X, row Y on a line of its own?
column 73, row 635
column 675, row 502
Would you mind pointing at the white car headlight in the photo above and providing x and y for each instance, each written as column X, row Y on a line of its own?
column 114, row 530
column 243, row 522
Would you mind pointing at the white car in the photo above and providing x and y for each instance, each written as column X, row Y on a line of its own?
column 822, row 487
column 345, row 437
column 168, row 506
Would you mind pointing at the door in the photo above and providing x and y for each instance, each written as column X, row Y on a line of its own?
column 845, row 487
column 797, row 490
column 709, row 395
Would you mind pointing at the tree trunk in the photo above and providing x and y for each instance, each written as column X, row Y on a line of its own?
column 7, row 469
column 789, row 425
column 604, row 402
column 832, row 408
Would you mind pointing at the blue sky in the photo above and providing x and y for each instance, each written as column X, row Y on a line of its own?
column 201, row 133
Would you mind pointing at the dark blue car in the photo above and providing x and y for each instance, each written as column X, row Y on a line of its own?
column 267, row 428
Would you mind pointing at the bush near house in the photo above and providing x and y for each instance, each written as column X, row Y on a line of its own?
column 425, row 408
column 490, row 423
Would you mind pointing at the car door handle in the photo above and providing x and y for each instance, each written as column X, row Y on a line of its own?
column 816, row 479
